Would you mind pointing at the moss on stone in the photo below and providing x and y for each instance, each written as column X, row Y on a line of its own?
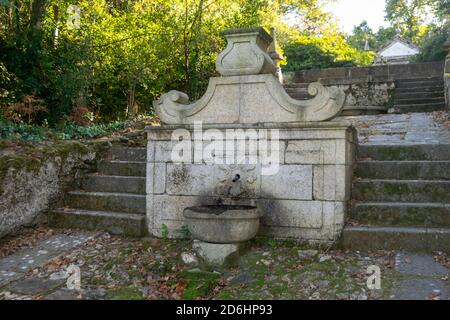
column 126, row 293
column 199, row 283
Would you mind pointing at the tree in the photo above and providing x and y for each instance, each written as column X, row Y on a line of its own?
column 361, row 35
column 409, row 17
column 425, row 22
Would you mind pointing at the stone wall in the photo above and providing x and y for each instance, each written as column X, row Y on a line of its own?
column 368, row 74
column 368, row 89
column 306, row 199
column 33, row 180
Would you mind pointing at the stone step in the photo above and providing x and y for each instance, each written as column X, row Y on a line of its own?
column 424, row 100
column 106, row 201
column 128, row 154
column 424, row 107
column 296, row 85
column 419, row 89
column 401, row 214
column 419, row 83
column 401, row 190
column 118, row 223
column 406, row 170
column 424, row 79
column 429, row 152
column 123, row 168
column 300, row 96
column 102, row 183
column 413, row 239
column 419, row 95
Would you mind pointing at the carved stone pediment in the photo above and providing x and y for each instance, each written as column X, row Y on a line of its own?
column 248, row 90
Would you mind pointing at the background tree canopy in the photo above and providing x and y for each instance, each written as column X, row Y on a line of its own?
column 105, row 60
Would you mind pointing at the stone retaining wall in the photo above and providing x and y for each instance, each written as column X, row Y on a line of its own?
column 33, row 180
column 382, row 73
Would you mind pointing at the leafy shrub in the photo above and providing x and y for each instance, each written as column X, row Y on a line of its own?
column 433, row 46
column 326, row 52
column 26, row 110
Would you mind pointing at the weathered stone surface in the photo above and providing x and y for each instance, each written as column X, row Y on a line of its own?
column 246, row 53
column 402, row 190
column 332, row 182
column 293, row 182
column 167, row 209
column 291, row 188
column 291, row 213
column 404, row 170
column 211, row 180
column 100, row 183
column 156, row 178
column 123, row 168
column 307, row 186
column 418, row 239
column 127, row 224
column 216, row 254
column 63, row 294
column 29, row 187
column 16, row 265
column 32, row 286
column 222, row 223
column 401, row 214
column 419, row 265
column 248, row 91
column 128, row 154
column 102, row 201
column 421, row 289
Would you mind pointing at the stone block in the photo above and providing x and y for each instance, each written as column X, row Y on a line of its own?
column 332, row 182
column 168, row 207
column 216, row 254
column 156, row 178
column 211, row 180
column 292, row 213
column 291, row 182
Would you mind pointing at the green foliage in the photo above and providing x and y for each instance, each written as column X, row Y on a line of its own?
column 423, row 22
column 408, row 17
column 125, row 54
column 325, row 52
column 433, row 46
column 164, row 231
column 199, row 284
column 184, row 232
column 32, row 133
column 361, row 35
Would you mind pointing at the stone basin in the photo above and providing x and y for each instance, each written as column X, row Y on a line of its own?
column 223, row 223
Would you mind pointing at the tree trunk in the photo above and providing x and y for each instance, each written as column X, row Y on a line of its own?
column 37, row 13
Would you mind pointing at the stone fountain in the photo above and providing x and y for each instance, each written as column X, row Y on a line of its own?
column 293, row 174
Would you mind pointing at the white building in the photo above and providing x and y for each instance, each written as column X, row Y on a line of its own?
column 397, row 51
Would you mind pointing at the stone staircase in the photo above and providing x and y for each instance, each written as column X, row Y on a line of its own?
column 419, row 95
column 400, row 199
column 113, row 199
column 411, row 95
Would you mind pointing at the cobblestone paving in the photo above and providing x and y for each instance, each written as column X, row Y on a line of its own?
column 120, row 268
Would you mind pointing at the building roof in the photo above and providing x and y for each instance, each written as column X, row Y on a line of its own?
column 410, row 48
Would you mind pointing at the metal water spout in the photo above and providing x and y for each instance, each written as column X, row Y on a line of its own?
column 235, row 188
